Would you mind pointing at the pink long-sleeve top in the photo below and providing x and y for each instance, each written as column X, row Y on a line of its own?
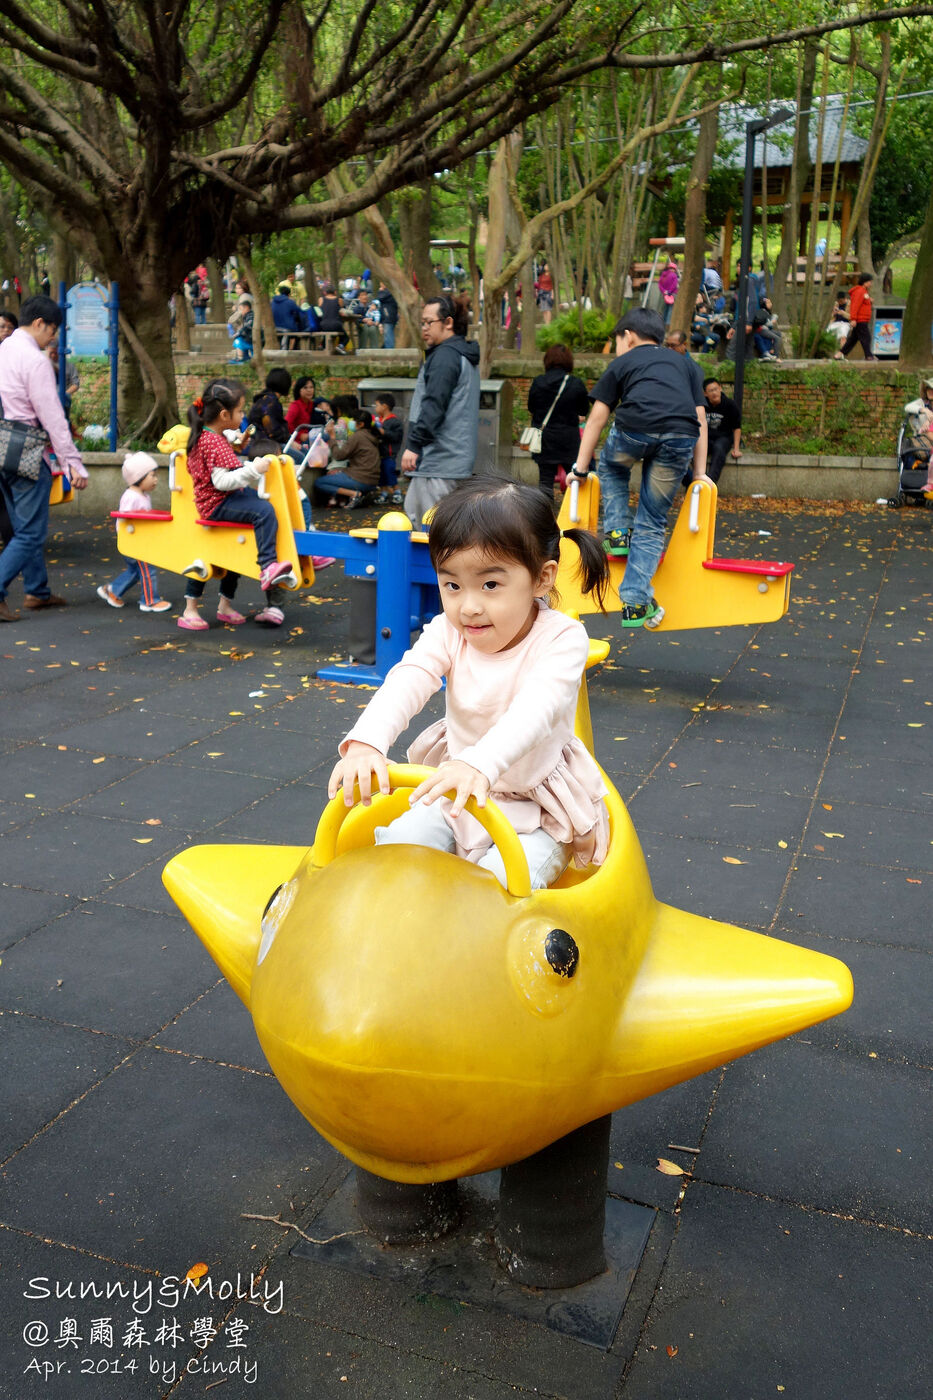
column 510, row 715
column 29, row 395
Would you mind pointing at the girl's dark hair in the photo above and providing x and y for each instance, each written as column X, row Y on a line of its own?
column 509, row 520
column 216, row 395
column 364, row 421
column 865, row 278
column 385, row 397
column 299, row 384
column 558, row 357
column 346, row 405
column 456, row 308
column 279, row 380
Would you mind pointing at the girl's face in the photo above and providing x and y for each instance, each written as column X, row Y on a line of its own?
column 490, row 600
column 307, row 392
column 229, row 418
column 148, row 482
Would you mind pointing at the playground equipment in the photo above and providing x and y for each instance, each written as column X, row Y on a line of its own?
column 694, row 587
column 182, row 542
column 467, row 1026
column 62, row 491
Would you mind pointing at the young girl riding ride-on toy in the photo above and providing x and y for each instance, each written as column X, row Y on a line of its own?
column 513, row 667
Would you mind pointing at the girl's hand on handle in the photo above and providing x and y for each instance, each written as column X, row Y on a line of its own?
column 358, row 765
column 466, row 781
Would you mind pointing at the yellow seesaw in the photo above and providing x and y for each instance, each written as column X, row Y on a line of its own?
column 694, row 587
column 182, row 542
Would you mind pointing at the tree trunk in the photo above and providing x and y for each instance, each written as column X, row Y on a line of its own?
column 217, row 311
column 263, row 324
column 695, row 218
column 800, row 166
column 147, row 400
column 528, row 346
column 863, row 241
column 414, row 210
column 62, row 264
column 182, row 323
column 915, row 337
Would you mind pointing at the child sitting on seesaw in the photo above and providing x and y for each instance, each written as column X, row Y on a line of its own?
column 513, row 668
column 224, row 490
column 139, row 472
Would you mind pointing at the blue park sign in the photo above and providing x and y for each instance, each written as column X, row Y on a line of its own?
column 88, row 319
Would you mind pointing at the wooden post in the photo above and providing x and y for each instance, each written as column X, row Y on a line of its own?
column 728, row 233
column 846, row 216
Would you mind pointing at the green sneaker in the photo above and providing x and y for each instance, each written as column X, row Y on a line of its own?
column 648, row 615
column 617, row 543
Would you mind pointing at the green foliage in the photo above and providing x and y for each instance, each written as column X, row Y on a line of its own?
column 565, row 330
column 902, row 182
column 826, row 344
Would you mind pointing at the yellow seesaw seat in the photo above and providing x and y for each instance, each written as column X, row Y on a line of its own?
column 694, row 587
column 180, row 541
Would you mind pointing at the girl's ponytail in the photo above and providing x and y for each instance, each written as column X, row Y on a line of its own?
column 594, row 565
column 195, row 422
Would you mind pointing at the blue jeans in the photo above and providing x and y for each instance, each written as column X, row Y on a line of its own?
column 664, row 458
column 247, row 505
column 327, row 485
column 27, row 504
column 388, row 337
column 200, row 315
column 137, row 571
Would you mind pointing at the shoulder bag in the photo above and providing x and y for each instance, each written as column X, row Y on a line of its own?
column 532, row 438
column 21, row 449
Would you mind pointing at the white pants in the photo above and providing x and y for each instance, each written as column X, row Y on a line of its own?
column 425, row 826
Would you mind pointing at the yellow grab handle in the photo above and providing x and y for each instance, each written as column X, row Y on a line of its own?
column 409, row 775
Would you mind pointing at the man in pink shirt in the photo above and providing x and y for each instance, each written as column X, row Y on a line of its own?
column 29, row 395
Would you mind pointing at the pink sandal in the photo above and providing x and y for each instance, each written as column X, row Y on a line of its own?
column 322, row 561
column 193, row 624
column 231, row 619
column 271, row 616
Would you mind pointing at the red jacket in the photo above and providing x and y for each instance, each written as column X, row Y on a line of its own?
column 860, row 303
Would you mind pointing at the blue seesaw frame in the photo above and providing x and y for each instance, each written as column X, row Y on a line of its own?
column 407, row 595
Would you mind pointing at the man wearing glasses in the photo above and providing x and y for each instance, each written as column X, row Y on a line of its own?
column 29, row 395
column 443, row 424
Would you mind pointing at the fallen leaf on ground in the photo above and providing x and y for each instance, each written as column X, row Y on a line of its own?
column 668, row 1168
column 733, row 860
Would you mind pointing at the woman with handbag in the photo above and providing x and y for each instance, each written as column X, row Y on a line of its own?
column 557, row 401
column 33, row 423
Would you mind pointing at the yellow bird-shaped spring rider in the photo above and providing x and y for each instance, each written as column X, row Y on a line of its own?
column 432, row 1024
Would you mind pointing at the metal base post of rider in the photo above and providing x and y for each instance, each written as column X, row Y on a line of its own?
column 552, row 1211
column 397, row 1212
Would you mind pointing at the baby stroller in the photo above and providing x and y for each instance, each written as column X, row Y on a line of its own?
column 913, row 458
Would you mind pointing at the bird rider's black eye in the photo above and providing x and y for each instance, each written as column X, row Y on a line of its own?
column 561, row 952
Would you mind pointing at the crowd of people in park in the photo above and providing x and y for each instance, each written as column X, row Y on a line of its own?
column 665, row 416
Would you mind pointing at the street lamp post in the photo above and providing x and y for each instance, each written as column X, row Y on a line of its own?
column 752, row 129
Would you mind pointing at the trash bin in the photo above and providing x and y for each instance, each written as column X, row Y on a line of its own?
column 494, row 445
column 402, row 390
column 886, row 332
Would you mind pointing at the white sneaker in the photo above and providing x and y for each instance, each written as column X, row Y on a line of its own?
column 160, row 605
column 108, row 595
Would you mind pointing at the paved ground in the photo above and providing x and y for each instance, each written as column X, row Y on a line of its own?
column 779, row 778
